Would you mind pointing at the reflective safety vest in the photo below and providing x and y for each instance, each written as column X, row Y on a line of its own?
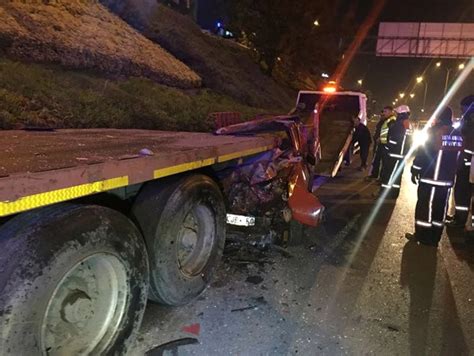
column 384, row 130
column 436, row 163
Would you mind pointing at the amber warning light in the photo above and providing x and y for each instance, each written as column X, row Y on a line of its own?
column 329, row 89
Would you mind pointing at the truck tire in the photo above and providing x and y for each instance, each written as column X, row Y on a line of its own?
column 183, row 222
column 73, row 281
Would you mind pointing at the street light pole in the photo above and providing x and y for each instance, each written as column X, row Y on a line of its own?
column 448, row 71
column 426, row 91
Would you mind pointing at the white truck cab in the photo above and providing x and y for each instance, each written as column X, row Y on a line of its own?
column 349, row 101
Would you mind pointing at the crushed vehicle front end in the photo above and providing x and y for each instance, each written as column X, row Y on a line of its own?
column 270, row 189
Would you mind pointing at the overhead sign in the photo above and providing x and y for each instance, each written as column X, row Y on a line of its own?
column 423, row 39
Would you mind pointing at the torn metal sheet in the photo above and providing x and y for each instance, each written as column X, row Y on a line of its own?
column 266, row 184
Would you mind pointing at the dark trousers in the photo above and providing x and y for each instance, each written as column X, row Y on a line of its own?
column 364, row 153
column 364, row 148
column 392, row 171
column 430, row 212
column 462, row 194
column 379, row 151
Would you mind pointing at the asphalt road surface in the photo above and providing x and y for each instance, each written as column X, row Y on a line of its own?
column 355, row 287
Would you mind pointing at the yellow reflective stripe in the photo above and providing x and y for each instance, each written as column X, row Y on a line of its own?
column 248, row 152
column 60, row 195
column 65, row 194
column 180, row 168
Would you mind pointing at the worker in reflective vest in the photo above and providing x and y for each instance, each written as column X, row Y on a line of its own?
column 388, row 117
column 463, row 187
column 397, row 147
column 434, row 170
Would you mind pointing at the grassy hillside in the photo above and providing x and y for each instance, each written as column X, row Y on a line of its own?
column 85, row 35
column 223, row 66
column 38, row 95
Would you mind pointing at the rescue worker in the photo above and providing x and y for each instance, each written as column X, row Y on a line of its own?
column 434, row 170
column 362, row 136
column 463, row 188
column 387, row 118
column 396, row 148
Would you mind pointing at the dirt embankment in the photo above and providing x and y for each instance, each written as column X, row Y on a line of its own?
column 223, row 66
column 85, row 35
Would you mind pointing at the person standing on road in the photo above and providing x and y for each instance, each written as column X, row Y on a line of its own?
column 362, row 136
column 463, row 188
column 434, row 170
column 392, row 168
column 387, row 118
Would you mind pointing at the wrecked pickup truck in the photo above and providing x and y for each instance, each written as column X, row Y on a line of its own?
column 95, row 222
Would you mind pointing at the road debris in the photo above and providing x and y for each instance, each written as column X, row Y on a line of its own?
column 172, row 346
column 244, row 309
column 194, row 329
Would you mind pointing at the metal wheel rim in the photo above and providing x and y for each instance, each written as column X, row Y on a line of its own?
column 196, row 239
column 86, row 308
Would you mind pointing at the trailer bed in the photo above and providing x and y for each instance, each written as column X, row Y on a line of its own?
column 42, row 168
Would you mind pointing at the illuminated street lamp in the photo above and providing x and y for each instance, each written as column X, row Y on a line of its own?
column 412, row 95
column 420, row 80
column 438, row 64
column 360, row 81
column 401, row 95
column 448, row 72
column 394, row 102
column 316, row 23
column 422, row 110
column 324, row 75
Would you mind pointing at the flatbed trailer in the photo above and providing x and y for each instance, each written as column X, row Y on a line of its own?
column 42, row 168
column 93, row 223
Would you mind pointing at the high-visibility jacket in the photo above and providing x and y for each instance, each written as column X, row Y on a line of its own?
column 397, row 138
column 436, row 166
column 385, row 127
column 436, row 163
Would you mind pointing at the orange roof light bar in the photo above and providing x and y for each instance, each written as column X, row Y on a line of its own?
column 329, row 90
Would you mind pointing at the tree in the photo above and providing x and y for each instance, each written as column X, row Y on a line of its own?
column 294, row 39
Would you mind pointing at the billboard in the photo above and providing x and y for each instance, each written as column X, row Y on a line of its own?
column 425, row 39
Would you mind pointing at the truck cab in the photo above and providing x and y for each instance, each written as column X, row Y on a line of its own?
column 328, row 115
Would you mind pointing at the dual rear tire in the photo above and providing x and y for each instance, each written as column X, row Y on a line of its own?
column 74, row 279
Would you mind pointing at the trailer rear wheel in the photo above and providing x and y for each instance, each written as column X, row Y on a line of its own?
column 73, row 281
column 183, row 222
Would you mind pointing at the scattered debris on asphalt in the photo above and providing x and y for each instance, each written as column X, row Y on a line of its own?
column 172, row 346
column 194, row 329
column 243, row 309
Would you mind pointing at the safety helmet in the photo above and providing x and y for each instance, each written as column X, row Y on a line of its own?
column 402, row 109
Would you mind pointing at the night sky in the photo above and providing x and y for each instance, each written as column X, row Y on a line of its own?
column 386, row 77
